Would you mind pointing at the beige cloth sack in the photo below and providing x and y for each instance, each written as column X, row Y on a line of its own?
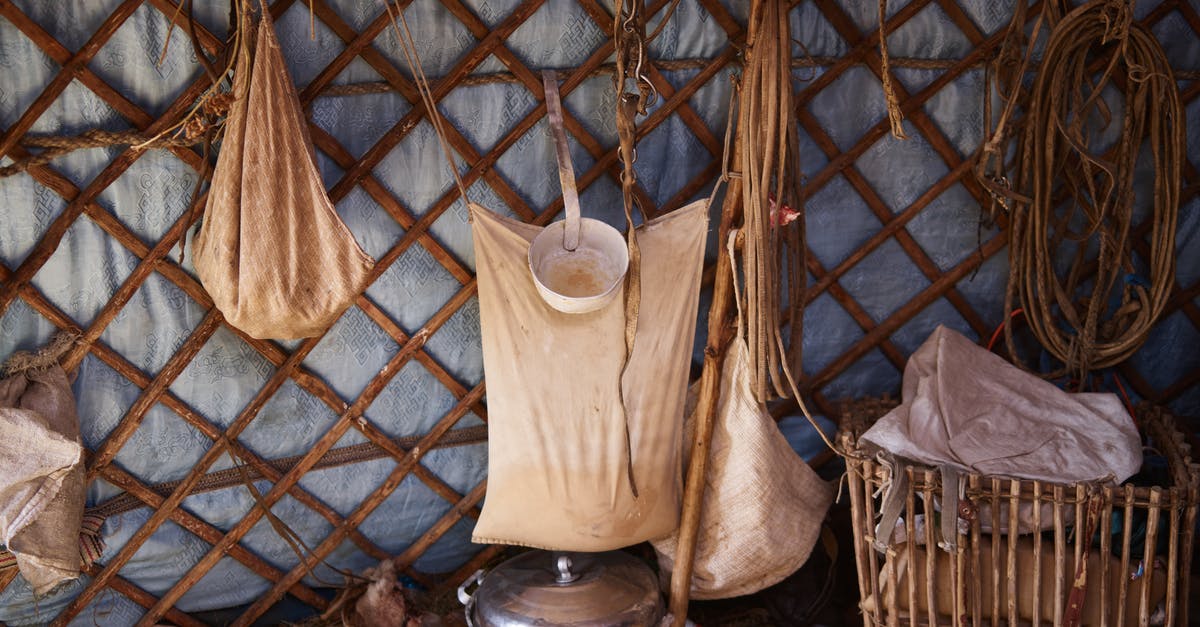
column 763, row 505
column 992, row 579
column 557, row 463
column 42, row 487
column 272, row 252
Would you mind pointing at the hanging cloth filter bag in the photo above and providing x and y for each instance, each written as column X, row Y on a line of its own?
column 272, row 252
column 558, row 452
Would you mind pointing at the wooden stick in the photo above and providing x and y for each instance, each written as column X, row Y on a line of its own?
column 1060, row 555
column 931, row 547
column 706, row 407
column 1151, row 541
column 995, row 500
column 1126, row 537
column 1105, row 527
column 876, row 478
column 860, row 490
column 910, row 528
column 973, row 483
column 1187, row 552
column 1174, row 502
column 1014, row 508
column 890, row 558
column 1037, row 552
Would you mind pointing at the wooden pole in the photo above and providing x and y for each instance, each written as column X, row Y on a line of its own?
column 706, row 408
column 719, row 334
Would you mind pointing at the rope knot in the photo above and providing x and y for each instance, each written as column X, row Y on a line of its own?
column 1117, row 16
column 1138, row 73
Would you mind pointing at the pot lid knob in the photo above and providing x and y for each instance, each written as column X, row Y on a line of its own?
column 565, row 576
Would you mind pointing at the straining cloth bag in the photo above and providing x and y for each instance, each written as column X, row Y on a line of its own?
column 557, row 463
column 41, row 473
column 272, row 252
column 763, row 505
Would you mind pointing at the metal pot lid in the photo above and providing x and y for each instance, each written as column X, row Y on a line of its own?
column 576, row 589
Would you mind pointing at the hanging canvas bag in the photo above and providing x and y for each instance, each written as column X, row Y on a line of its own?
column 583, row 439
column 41, row 469
column 763, row 505
column 557, row 461
column 272, row 252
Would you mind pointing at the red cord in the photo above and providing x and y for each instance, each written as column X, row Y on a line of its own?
column 996, row 333
column 1128, row 403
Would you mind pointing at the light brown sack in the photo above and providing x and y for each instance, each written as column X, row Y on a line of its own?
column 557, row 463
column 42, row 487
column 763, row 505
column 272, row 252
column 991, row 580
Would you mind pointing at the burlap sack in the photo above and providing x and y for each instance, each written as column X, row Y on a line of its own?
column 272, row 252
column 556, row 431
column 763, row 505
column 42, row 487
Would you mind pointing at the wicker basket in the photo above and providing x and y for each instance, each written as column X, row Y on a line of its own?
column 1137, row 574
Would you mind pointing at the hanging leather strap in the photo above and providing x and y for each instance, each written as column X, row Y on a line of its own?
column 627, row 109
column 951, row 482
column 893, row 501
column 562, row 152
column 629, row 32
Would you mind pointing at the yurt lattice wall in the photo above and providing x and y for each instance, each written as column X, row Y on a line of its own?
column 369, row 440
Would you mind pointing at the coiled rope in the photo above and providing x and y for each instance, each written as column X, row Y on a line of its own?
column 1098, row 311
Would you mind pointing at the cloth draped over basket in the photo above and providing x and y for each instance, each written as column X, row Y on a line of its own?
column 42, row 487
column 557, row 461
column 272, row 252
column 967, row 409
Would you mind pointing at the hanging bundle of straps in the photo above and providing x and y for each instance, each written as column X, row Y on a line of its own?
column 629, row 37
column 1089, row 293
column 773, row 252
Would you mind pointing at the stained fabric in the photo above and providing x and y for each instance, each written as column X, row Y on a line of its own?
column 272, row 253
column 560, row 393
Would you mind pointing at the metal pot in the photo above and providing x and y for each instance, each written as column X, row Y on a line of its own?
column 573, row 589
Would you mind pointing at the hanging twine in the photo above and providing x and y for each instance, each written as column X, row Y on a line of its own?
column 895, row 116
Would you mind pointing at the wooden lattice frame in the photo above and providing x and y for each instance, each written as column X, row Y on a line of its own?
column 153, row 257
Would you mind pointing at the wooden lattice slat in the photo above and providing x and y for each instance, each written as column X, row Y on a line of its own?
column 359, row 173
column 145, row 599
